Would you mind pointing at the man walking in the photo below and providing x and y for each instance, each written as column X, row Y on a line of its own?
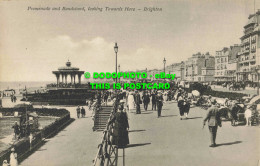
column 213, row 118
column 16, row 130
column 137, row 102
column 78, row 112
column 154, row 100
column 146, row 100
column 159, row 103
column 83, row 112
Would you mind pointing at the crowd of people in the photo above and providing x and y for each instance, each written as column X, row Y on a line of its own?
column 233, row 110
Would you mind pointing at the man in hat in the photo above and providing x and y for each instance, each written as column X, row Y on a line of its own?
column 83, row 112
column 146, row 100
column 16, row 129
column 213, row 118
column 159, row 103
column 154, row 95
column 234, row 110
column 137, row 102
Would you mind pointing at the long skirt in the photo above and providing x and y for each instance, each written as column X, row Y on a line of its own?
column 131, row 102
column 120, row 137
column 181, row 111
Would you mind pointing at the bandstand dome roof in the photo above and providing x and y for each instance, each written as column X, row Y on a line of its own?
column 68, row 67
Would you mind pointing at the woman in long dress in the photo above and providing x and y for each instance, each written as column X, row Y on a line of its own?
column 13, row 158
column 165, row 96
column 131, row 101
column 121, row 127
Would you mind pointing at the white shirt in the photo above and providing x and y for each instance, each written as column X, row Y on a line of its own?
column 248, row 113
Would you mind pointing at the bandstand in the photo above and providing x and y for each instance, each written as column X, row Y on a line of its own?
column 64, row 72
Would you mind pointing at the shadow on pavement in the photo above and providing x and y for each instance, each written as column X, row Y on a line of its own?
column 134, row 145
column 146, row 112
column 230, row 143
column 168, row 116
column 196, row 118
column 136, row 130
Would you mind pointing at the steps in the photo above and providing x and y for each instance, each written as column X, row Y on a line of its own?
column 101, row 118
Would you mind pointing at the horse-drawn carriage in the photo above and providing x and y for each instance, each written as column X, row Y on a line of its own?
column 234, row 113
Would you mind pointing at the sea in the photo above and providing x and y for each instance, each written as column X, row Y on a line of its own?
column 22, row 85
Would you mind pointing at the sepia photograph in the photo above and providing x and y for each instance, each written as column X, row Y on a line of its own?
column 129, row 82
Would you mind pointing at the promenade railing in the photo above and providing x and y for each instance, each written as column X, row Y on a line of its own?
column 107, row 154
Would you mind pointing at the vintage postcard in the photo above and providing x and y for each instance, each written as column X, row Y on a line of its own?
column 129, row 82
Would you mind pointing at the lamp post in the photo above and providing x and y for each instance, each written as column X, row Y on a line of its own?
column 164, row 62
column 116, row 50
column 119, row 71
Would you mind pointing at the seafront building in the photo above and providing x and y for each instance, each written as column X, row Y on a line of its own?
column 199, row 68
column 249, row 56
column 177, row 69
column 226, row 63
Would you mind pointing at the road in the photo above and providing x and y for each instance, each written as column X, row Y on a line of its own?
column 165, row 141
column 248, row 91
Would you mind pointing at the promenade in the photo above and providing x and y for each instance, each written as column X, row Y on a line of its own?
column 165, row 141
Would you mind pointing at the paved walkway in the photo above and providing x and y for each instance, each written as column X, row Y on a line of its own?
column 165, row 141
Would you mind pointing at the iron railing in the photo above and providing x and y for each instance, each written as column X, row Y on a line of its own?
column 107, row 154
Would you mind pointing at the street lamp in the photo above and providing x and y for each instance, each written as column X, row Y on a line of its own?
column 119, row 71
column 116, row 50
column 164, row 62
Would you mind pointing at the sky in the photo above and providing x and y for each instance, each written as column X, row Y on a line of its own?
column 35, row 43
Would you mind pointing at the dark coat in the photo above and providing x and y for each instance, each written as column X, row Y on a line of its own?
column 181, row 104
column 120, row 133
column 153, row 98
column 146, row 98
column 159, row 101
column 137, row 99
column 83, row 111
column 186, row 107
column 213, row 117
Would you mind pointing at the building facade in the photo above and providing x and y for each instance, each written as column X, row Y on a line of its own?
column 226, row 63
column 194, row 66
column 177, row 69
column 248, row 57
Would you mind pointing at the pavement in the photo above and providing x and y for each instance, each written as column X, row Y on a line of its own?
column 165, row 141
